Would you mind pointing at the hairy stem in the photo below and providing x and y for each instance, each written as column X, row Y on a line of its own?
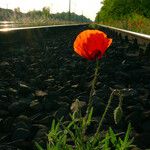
column 93, row 84
column 93, row 87
column 104, row 114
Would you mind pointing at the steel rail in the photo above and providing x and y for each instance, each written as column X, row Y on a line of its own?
column 27, row 35
column 141, row 38
column 145, row 36
column 39, row 27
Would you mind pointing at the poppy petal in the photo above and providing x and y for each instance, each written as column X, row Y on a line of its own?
column 91, row 44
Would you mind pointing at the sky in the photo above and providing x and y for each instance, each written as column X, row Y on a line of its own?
column 88, row 8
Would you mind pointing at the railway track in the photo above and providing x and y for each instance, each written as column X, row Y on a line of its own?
column 14, row 35
column 40, row 76
column 10, row 36
column 141, row 38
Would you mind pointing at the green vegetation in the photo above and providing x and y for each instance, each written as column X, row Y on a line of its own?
column 72, row 135
column 132, row 15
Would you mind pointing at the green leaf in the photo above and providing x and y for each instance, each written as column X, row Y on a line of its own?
column 38, row 146
column 70, row 124
column 90, row 116
column 53, row 125
column 127, row 133
column 106, row 144
column 118, row 113
column 113, row 138
column 48, row 146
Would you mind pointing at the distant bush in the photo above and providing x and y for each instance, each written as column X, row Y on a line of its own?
column 117, row 9
column 127, row 14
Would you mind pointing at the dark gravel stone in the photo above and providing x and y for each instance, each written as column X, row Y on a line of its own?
column 4, row 113
column 146, row 126
column 17, row 107
column 21, row 134
column 35, row 106
column 47, row 120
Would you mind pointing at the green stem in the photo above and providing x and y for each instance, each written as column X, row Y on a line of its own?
column 104, row 114
column 93, row 88
column 90, row 97
column 120, row 100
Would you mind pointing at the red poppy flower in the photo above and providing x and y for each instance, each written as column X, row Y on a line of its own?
column 91, row 44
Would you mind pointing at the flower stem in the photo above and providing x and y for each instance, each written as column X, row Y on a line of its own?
column 90, row 97
column 104, row 114
column 121, row 100
column 93, row 88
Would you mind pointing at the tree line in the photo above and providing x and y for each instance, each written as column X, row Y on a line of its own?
column 117, row 9
column 16, row 15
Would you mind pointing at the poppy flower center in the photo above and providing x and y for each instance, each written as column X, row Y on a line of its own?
column 97, row 54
